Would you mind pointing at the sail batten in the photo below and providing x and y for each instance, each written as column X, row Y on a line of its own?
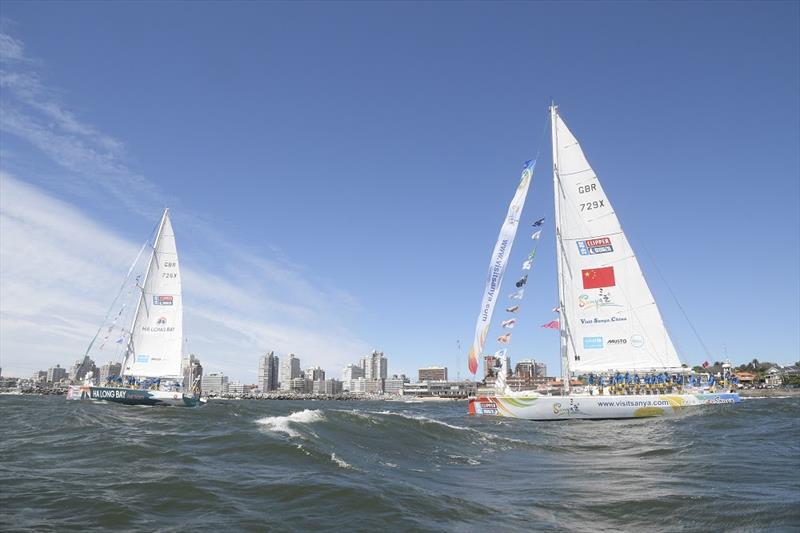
column 156, row 344
column 609, row 315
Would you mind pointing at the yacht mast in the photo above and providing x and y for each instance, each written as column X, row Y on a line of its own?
column 559, row 253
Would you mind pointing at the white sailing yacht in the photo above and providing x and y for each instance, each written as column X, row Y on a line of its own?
column 152, row 371
column 610, row 326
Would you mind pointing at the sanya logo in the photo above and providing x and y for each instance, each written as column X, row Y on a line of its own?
column 161, row 320
column 637, row 341
column 603, row 299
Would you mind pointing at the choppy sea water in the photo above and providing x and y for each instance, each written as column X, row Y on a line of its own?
column 364, row 466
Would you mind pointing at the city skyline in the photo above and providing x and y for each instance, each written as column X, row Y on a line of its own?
column 330, row 196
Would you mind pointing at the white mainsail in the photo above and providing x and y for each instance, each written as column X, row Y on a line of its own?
column 609, row 320
column 156, row 344
column 497, row 266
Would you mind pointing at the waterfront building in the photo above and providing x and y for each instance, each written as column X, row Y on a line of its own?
column 82, row 367
column 352, row 372
column 192, row 374
column 315, row 373
column 333, row 386
column 214, row 384
column 355, row 386
column 374, row 386
column 394, row 385
column 433, row 373
column 490, row 362
column 55, row 374
column 539, row 370
column 289, row 370
column 300, row 385
column 235, row 387
column 441, row 389
column 108, row 370
column 268, row 372
column 39, row 376
column 375, row 365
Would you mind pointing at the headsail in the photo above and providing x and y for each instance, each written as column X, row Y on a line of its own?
column 609, row 318
column 502, row 250
column 156, row 344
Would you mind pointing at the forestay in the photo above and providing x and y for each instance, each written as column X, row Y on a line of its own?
column 156, row 343
column 609, row 318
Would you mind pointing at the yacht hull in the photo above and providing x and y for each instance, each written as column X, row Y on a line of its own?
column 131, row 396
column 594, row 407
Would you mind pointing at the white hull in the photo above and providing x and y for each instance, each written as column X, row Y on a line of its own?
column 131, row 396
column 593, row 407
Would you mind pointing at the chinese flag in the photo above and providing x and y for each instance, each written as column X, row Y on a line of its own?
column 596, row 278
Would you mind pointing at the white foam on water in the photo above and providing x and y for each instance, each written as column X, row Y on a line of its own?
column 282, row 424
column 341, row 463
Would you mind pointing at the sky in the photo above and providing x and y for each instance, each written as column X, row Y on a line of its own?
column 338, row 172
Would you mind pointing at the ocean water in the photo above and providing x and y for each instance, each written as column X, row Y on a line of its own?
column 365, row 466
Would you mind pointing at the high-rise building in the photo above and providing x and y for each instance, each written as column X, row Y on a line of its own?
column 289, row 371
column 215, row 384
column 375, row 365
column 490, row 363
column 539, row 370
column 433, row 373
column 315, row 373
column 108, row 370
column 39, row 376
column 56, row 374
column 82, row 367
column 192, row 374
column 268, row 370
column 352, row 372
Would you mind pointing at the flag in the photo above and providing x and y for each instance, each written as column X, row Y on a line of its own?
column 120, row 340
column 504, row 339
column 597, row 278
column 705, row 364
column 522, row 281
column 512, row 309
column 536, row 235
column 556, row 309
column 509, row 324
column 527, row 264
column 552, row 325
column 517, row 295
column 501, row 353
column 538, row 223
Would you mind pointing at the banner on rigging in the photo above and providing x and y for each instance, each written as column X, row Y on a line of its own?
column 497, row 266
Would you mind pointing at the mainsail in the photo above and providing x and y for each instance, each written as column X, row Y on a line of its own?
column 497, row 266
column 609, row 320
column 156, row 342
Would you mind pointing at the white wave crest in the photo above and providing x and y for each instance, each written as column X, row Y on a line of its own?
column 339, row 462
column 283, row 424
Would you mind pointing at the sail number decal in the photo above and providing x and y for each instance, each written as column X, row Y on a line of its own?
column 597, row 204
column 169, row 274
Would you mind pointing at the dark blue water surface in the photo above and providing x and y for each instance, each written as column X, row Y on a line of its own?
column 365, row 466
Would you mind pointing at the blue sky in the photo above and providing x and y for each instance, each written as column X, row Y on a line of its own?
column 338, row 172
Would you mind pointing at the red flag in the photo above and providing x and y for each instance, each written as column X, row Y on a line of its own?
column 705, row 364
column 552, row 325
column 597, row 278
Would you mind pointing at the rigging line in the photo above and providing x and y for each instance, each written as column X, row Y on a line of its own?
column 674, row 297
column 541, row 138
column 113, row 303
